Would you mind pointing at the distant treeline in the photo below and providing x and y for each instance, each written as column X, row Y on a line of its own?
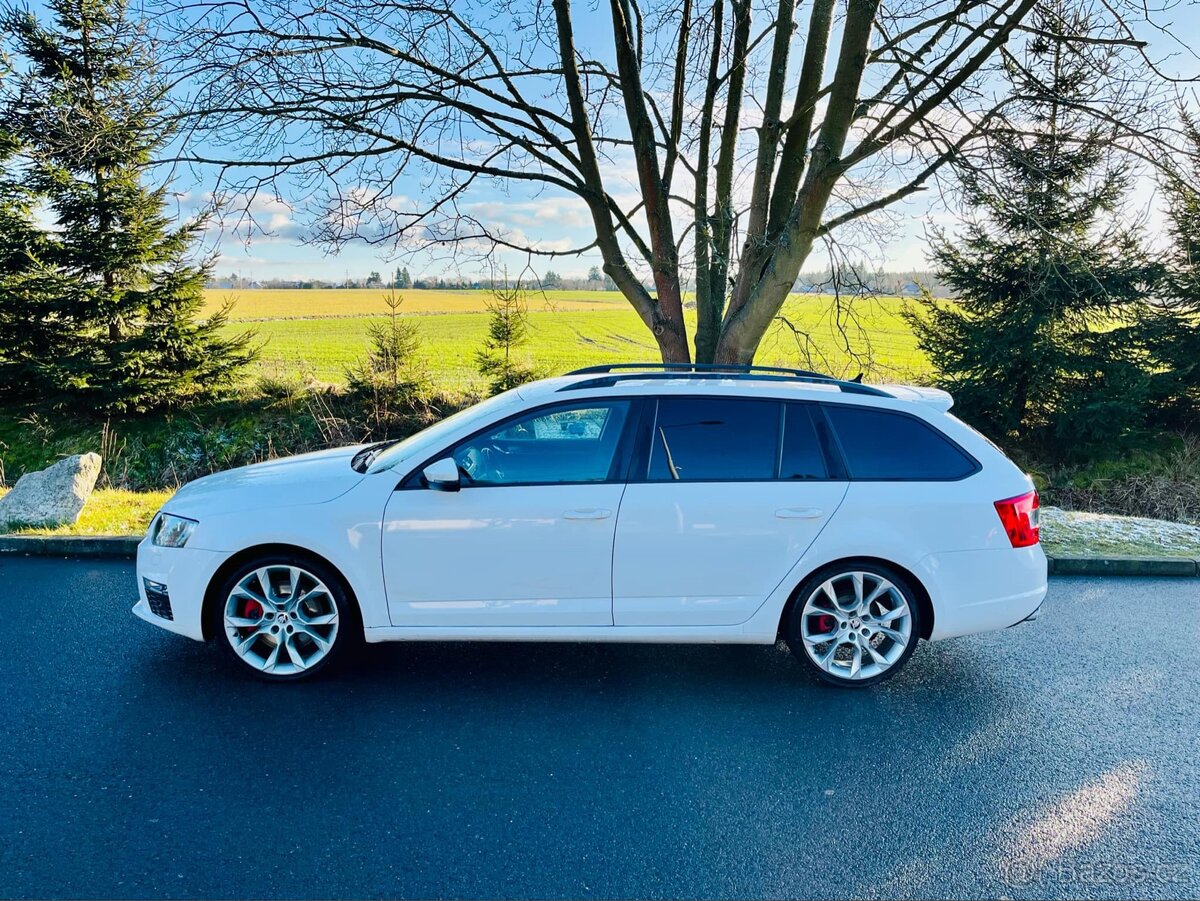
column 849, row 281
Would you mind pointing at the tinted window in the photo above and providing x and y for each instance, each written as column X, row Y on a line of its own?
column 879, row 444
column 699, row 438
column 801, row 456
column 566, row 444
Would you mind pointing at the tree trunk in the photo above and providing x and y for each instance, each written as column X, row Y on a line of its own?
column 744, row 329
column 673, row 343
column 708, row 313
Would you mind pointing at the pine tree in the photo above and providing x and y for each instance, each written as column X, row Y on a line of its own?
column 1173, row 335
column 508, row 331
column 1052, row 282
column 126, row 315
column 392, row 380
column 28, row 322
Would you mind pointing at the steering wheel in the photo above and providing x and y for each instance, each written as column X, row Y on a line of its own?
column 479, row 464
column 491, row 462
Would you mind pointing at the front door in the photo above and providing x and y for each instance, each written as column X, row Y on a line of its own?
column 527, row 540
column 734, row 493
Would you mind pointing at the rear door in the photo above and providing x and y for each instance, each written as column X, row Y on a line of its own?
column 725, row 497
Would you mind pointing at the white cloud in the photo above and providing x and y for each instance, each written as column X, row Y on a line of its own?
column 544, row 213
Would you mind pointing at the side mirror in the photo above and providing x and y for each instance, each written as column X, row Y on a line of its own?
column 442, row 475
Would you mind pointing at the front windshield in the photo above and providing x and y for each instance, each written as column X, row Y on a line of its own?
column 426, row 440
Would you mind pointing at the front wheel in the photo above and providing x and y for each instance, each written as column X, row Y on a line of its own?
column 854, row 625
column 283, row 618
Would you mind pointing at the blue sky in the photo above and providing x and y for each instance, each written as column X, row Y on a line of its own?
column 557, row 221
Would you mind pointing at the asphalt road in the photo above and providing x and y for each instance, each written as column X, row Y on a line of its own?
column 1058, row 758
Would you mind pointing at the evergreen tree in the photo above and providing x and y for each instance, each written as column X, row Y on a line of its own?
column 392, row 379
column 123, row 327
column 508, row 331
column 27, row 310
column 1173, row 335
column 1052, row 282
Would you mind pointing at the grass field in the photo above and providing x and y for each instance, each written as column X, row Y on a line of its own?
column 269, row 303
column 319, row 333
column 110, row 511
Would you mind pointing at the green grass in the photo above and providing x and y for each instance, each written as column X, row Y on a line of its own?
column 1066, row 541
column 110, row 511
column 878, row 341
column 267, row 303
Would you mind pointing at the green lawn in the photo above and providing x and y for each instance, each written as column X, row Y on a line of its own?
column 878, row 341
column 1068, row 542
column 110, row 511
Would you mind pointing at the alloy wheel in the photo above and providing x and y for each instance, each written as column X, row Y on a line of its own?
column 280, row 619
column 856, row 625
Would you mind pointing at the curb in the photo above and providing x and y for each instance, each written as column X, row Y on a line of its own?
column 106, row 546
column 125, row 548
column 1123, row 566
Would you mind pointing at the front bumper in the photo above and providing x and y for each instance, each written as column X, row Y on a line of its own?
column 186, row 573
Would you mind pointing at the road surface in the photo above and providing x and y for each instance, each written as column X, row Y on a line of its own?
column 1059, row 758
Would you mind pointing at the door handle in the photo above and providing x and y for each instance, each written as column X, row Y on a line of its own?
column 799, row 513
column 588, row 513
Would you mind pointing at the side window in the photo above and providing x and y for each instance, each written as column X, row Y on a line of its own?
column 880, row 444
column 711, row 439
column 565, row 444
column 800, row 456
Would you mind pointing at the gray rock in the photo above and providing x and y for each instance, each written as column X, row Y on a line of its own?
column 53, row 497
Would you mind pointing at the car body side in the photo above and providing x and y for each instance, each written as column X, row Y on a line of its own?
column 945, row 534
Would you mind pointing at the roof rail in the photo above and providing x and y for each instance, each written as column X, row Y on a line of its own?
column 699, row 367
column 610, row 374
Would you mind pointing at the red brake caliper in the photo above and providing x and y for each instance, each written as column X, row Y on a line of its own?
column 825, row 624
column 252, row 609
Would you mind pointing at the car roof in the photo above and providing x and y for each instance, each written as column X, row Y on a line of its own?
column 766, row 382
column 676, row 384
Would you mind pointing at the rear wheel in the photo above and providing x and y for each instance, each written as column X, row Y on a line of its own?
column 283, row 618
column 854, row 625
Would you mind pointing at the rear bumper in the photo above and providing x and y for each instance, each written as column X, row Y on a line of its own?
column 982, row 591
column 1032, row 617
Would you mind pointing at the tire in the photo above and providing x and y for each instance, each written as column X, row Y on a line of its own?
column 297, row 624
column 871, row 615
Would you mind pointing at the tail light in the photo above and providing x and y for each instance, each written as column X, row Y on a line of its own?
column 1020, row 518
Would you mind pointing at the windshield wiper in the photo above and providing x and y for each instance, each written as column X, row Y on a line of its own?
column 362, row 461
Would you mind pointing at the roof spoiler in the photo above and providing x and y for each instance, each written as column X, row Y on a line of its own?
column 934, row 397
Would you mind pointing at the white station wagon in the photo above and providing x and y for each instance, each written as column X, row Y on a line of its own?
column 636, row 503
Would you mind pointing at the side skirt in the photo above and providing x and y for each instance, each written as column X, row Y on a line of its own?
column 631, row 634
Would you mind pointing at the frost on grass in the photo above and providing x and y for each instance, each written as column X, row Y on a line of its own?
column 1068, row 531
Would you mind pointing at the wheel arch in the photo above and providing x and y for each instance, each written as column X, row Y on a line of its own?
column 924, row 601
column 211, row 597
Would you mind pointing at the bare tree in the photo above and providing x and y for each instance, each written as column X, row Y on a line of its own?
column 751, row 129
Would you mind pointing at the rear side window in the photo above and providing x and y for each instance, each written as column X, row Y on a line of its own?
column 800, row 456
column 880, row 444
column 713, row 439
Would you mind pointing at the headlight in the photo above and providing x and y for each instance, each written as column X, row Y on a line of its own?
column 171, row 531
